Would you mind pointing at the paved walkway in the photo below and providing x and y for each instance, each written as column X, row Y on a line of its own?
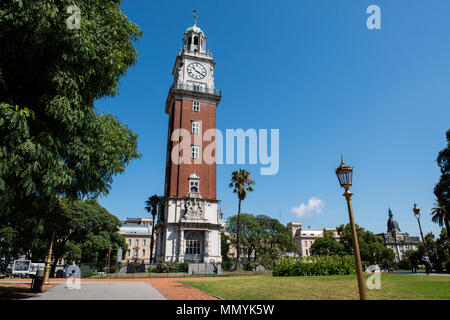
column 123, row 289
column 102, row 290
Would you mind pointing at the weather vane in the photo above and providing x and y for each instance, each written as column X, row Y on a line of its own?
column 195, row 17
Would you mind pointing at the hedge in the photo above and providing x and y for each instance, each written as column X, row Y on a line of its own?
column 314, row 266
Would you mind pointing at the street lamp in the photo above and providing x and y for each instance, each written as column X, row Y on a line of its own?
column 344, row 174
column 48, row 261
column 416, row 211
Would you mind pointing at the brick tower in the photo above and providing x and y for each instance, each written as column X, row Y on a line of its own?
column 188, row 228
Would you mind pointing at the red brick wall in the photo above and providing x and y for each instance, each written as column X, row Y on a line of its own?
column 177, row 176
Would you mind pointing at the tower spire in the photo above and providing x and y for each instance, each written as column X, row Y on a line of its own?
column 195, row 17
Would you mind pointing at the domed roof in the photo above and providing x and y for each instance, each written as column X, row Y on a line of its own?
column 194, row 29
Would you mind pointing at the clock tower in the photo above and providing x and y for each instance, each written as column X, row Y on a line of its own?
column 188, row 227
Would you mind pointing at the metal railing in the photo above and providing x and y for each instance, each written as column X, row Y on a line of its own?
column 196, row 88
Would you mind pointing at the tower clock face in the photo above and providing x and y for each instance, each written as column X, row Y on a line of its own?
column 196, row 70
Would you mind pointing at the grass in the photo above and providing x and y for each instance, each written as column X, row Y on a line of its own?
column 393, row 287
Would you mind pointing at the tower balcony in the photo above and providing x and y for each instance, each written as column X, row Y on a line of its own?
column 190, row 90
column 196, row 88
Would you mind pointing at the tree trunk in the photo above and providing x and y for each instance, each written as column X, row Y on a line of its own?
column 53, row 268
column 151, row 240
column 447, row 226
column 238, row 239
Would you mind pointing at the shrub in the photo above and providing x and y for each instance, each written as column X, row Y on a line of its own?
column 314, row 266
column 183, row 267
column 88, row 273
column 248, row 265
column 227, row 265
column 167, row 267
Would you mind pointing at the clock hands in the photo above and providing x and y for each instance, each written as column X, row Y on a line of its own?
column 196, row 71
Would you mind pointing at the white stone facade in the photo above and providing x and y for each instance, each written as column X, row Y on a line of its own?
column 189, row 231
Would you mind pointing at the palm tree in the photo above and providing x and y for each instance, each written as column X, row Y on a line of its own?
column 152, row 207
column 441, row 216
column 242, row 183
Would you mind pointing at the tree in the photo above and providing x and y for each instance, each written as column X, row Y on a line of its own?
column 52, row 141
column 7, row 247
column 241, row 183
column 84, row 232
column 275, row 239
column 152, row 207
column 264, row 237
column 250, row 233
column 371, row 247
column 441, row 213
column 224, row 250
column 441, row 216
column 327, row 245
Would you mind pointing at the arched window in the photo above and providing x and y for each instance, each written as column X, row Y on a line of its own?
column 196, row 41
column 193, row 243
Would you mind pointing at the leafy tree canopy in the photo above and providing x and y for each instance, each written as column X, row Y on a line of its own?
column 327, row 246
column 52, row 141
column 371, row 247
column 441, row 213
column 264, row 238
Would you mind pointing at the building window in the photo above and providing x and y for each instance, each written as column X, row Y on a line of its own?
column 143, row 252
column 196, row 106
column 193, row 243
column 129, row 242
column 194, row 180
column 195, row 126
column 128, row 253
column 137, row 242
column 193, row 186
column 136, row 253
column 145, row 242
column 195, row 150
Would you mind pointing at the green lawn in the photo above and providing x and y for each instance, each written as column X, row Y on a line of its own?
column 393, row 286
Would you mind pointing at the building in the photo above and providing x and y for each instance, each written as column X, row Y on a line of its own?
column 138, row 235
column 188, row 226
column 305, row 237
column 397, row 240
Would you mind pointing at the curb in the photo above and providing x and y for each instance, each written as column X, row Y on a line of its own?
column 210, row 294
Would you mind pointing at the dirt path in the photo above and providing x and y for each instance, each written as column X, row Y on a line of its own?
column 178, row 291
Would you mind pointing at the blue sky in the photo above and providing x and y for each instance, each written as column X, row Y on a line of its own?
column 313, row 70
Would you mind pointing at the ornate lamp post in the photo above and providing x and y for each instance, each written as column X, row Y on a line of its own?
column 416, row 211
column 344, row 174
column 48, row 261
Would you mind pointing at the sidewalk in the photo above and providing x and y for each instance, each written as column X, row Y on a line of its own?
column 109, row 289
